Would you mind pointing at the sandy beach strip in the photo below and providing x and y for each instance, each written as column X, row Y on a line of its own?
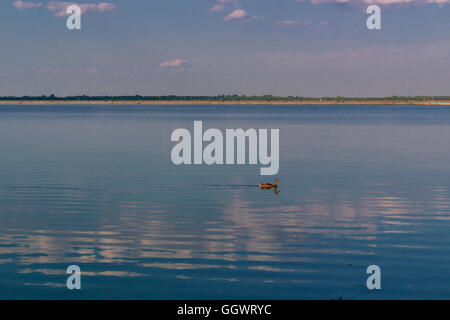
column 226, row 102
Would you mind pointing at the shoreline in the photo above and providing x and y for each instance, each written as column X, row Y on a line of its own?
column 226, row 102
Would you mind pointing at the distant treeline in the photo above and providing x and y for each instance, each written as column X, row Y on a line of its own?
column 217, row 98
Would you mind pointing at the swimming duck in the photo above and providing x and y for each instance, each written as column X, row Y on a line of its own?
column 269, row 185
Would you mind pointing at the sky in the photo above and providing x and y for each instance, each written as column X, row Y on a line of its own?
column 211, row 47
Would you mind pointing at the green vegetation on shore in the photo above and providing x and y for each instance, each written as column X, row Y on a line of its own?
column 222, row 98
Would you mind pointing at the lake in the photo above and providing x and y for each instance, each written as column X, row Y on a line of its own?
column 94, row 186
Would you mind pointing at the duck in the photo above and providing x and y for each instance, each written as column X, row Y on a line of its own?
column 269, row 185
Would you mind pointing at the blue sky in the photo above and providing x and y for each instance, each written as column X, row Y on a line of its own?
column 209, row 47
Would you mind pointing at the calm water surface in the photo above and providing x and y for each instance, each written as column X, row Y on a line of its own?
column 94, row 186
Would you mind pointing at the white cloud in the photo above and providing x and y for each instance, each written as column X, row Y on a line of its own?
column 379, row 2
column 291, row 23
column 237, row 14
column 174, row 63
column 58, row 8
column 22, row 5
column 219, row 6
